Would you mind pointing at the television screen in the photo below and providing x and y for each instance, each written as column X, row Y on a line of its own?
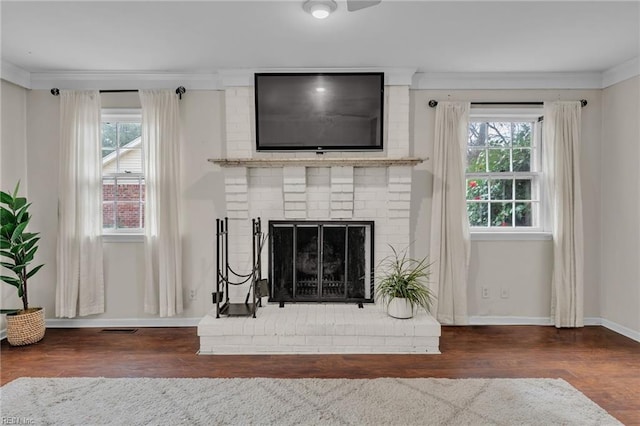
column 319, row 111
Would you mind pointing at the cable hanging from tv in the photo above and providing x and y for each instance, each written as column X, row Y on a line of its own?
column 433, row 103
column 179, row 91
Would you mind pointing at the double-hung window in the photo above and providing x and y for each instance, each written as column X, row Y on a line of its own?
column 122, row 172
column 503, row 176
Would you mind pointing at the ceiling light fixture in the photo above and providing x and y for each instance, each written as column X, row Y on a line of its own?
column 319, row 8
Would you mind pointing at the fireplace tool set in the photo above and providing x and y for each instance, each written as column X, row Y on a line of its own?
column 258, row 286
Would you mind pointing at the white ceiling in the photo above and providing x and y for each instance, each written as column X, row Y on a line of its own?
column 208, row 36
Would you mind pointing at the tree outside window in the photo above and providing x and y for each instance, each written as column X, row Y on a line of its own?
column 502, row 174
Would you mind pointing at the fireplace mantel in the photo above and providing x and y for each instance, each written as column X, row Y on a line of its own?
column 317, row 162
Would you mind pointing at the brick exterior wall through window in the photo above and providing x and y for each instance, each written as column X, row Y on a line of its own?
column 124, row 207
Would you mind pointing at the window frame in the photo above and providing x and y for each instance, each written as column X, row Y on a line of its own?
column 541, row 227
column 122, row 115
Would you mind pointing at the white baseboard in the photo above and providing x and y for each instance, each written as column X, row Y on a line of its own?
column 115, row 323
column 193, row 322
column 478, row 320
column 620, row 329
column 121, row 322
column 588, row 321
column 592, row 321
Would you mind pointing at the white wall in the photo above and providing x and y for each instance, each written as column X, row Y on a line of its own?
column 620, row 207
column 203, row 198
column 43, row 125
column 202, row 113
column 203, row 201
column 13, row 166
column 524, row 267
column 521, row 267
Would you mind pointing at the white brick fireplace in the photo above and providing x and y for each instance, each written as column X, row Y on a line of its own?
column 371, row 186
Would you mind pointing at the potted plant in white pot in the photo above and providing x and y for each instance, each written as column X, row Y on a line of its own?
column 402, row 284
column 17, row 248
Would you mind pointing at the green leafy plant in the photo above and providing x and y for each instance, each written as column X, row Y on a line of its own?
column 404, row 277
column 17, row 246
column 499, row 147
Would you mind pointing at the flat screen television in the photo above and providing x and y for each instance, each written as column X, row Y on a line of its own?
column 319, row 111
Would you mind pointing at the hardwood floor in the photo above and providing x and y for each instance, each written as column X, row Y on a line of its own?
column 602, row 364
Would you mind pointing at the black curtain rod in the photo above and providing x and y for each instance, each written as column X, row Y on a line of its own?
column 432, row 103
column 179, row 91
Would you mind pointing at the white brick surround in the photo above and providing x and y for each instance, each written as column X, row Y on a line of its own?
column 381, row 194
column 298, row 186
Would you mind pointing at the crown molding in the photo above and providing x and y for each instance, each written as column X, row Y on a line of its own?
column 399, row 76
column 123, row 80
column 491, row 80
column 619, row 73
column 393, row 77
column 16, row 75
column 237, row 77
column 244, row 77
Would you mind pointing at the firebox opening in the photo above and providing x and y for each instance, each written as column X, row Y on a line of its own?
column 326, row 261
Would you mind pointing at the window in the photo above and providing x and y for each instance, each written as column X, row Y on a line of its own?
column 122, row 172
column 503, row 177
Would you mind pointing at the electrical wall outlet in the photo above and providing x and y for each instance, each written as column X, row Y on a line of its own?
column 504, row 293
column 192, row 294
column 485, row 292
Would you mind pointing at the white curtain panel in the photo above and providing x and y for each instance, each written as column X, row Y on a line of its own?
column 450, row 242
column 161, row 135
column 562, row 171
column 80, row 278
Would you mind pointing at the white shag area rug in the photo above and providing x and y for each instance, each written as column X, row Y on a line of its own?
column 262, row 401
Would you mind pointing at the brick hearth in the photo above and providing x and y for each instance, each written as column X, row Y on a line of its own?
column 318, row 328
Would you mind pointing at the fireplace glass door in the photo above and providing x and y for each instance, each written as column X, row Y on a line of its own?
column 321, row 261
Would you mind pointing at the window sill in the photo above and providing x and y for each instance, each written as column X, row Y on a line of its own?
column 511, row 236
column 123, row 238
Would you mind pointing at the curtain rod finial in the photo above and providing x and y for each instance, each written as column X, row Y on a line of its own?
column 180, row 91
column 55, row 91
column 583, row 102
column 433, row 103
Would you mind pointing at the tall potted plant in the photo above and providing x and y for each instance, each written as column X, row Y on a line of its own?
column 17, row 248
column 402, row 284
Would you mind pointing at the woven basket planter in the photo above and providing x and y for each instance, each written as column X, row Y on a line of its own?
column 26, row 328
